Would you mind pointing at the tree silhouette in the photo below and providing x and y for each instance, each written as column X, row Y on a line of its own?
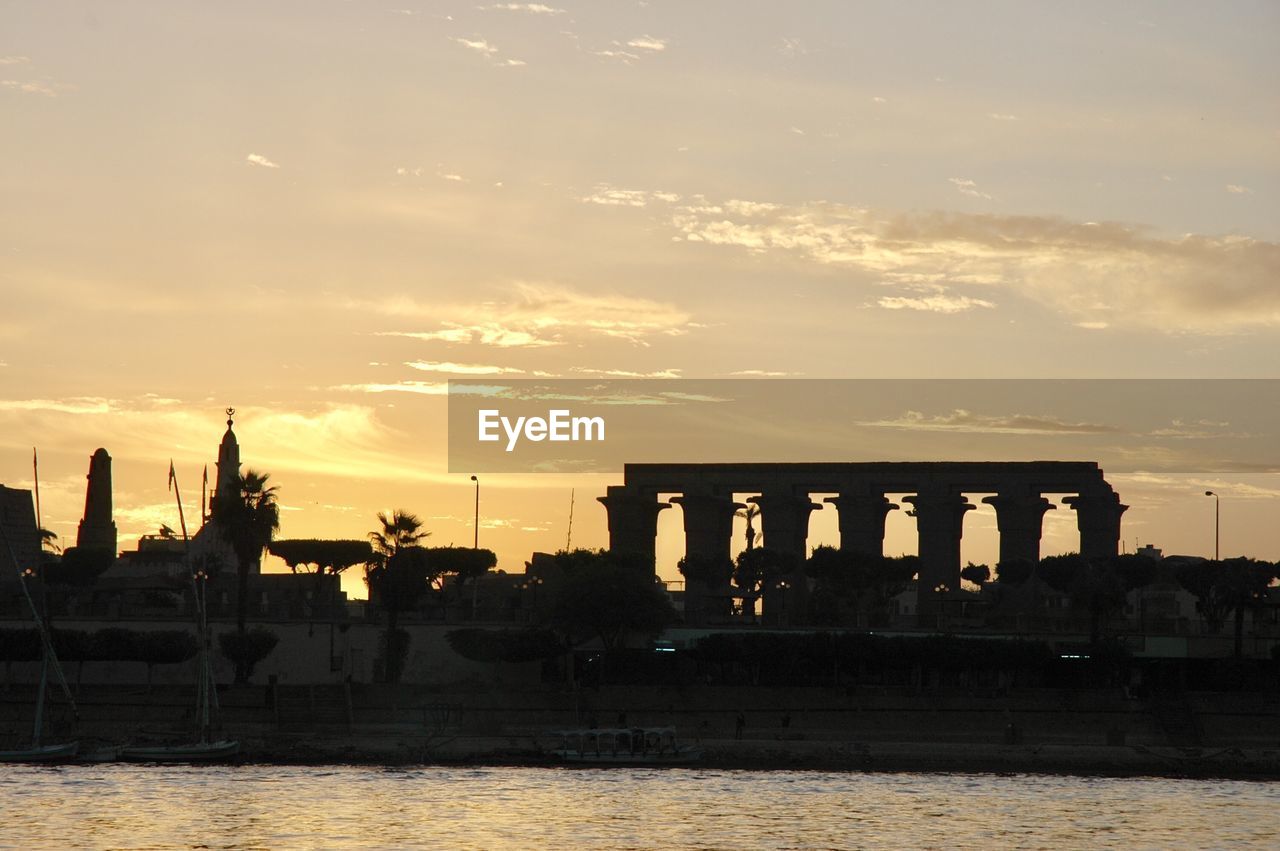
column 749, row 512
column 756, row 569
column 49, row 541
column 398, row 574
column 978, row 574
column 1014, row 572
column 466, row 563
column 1094, row 585
column 328, row 556
column 247, row 649
column 603, row 597
column 400, row 529
column 1227, row 586
column 706, row 584
column 249, row 520
column 837, row 584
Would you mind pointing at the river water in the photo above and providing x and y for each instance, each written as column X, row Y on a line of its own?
column 122, row 806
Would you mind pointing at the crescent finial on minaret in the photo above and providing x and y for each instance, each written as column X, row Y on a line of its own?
column 231, row 412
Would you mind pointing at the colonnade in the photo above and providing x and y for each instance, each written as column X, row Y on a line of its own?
column 936, row 498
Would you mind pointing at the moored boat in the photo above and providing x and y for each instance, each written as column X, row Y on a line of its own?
column 42, row 754
column 219, row 751
column 624, row 746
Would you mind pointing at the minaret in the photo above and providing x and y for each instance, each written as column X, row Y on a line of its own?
column 228, row 481
column 97, row 529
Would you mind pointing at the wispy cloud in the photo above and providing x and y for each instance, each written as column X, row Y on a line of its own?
column 627, row 373
column 36, row 87
column 441, row 173
column 1096, row 274
column 260, row 160
column 463, row 368
column 488, row 51
column 479, row 45
column 968, row 421
column 484, row 333
column 967, row 187
column 14, row 60
column 1181, row 485
column 631, row 50
column 792, row 47
column 625, row 56
column 608, row 196
column 648, row 42
column 70, row 405
column 940, row 303
column 1236, row 189
column 425, row 388
column 1002, row 116
column 529, row 8
column 542, row 315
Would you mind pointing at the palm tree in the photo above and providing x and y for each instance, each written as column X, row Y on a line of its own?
column 397, row 574
column 249, row 520
column 399, row 530
column 49, row 542
column 750, row 512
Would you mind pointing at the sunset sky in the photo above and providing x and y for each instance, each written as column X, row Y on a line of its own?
column 318, row 212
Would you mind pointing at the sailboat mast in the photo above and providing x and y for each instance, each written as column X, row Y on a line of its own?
column 48, row 656
column 35, row 474
column 204, row 672
column 37, row 726
column 173, row 485
column 568, row 541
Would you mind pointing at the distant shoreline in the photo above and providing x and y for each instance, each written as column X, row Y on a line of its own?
column 761, row 755
column 1101, row 732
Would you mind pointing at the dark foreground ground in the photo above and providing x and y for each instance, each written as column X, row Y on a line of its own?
column 1099, row 732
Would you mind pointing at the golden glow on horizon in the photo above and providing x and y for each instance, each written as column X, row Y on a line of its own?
column 365, row 203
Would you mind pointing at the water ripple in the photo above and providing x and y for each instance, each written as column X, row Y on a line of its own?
column 261, row 807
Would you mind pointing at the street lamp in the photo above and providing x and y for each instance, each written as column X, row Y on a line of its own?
column 1217, row 515
column 475, row 545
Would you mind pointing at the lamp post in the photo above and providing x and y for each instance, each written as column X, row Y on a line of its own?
column 1217, row 515
column 475, row 545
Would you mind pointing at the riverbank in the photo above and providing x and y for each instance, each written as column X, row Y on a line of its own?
column 403, row 750
column 1086, row 732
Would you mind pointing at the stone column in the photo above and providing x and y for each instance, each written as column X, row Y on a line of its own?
column 633, row 522
column 97, row 530
column 708, row 526
column 939, row 523
column 861, row 518
column 1098, row 517
column 708, row 523
column 1019, row 516
column 784, row 519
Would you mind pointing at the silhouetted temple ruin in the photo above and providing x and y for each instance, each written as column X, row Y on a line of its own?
column 97, row 529
column 937, row 498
